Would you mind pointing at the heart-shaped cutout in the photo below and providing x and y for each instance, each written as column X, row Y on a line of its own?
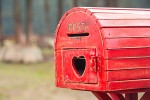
column 79, row 64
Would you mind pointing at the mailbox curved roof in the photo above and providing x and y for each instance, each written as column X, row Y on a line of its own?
column 117, row 22
column 128, row 20
column 118, row 17
column 107, row 16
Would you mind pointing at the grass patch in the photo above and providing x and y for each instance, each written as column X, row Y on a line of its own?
column 39, row 70
column 48, row 51
column 17, row 78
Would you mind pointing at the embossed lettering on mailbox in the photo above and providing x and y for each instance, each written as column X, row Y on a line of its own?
column 77, row 27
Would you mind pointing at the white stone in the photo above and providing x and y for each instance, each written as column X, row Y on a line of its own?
column 32, row 54
column 12, row 54
column 2, row 51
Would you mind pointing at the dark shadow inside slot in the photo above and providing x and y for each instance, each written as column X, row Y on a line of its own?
column 78, row 35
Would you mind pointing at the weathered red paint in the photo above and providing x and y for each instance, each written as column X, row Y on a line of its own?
column 115, row 44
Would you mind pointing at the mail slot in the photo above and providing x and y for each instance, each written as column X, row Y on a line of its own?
column 103, row 49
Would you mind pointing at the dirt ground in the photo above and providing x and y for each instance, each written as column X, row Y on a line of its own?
column 34, row 82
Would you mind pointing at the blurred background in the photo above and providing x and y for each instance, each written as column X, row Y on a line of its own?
column 26, row 47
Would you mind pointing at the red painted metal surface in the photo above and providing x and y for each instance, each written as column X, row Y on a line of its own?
column 112, row 46
column 115, row 96
column 102, row 95
column 146, row 96
column 131, row 96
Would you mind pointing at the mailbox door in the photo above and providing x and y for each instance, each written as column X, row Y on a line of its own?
column 80, row 66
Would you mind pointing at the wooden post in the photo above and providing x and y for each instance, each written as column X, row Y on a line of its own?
column 29, row 20
column 1, row 32
column 47, row 18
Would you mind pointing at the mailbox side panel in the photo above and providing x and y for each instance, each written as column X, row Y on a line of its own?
column 127, row 57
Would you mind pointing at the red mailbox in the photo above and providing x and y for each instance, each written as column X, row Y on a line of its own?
column 103, row 49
